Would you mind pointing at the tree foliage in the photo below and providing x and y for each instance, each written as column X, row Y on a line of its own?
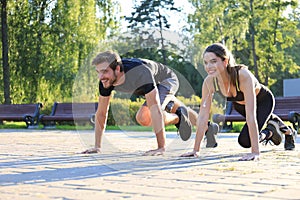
column 5, row 61
column 257, row 32
column 49, row 40
column 153, row 14
column 47, row 44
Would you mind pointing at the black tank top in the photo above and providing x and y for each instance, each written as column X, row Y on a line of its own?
column 239, row 94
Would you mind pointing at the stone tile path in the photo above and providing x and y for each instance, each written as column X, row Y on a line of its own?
column 46, row 164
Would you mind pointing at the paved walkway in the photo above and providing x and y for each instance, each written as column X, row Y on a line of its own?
column 40, row 164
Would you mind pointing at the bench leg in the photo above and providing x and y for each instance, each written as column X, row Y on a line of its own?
column 30, row 122
column 49, row 124
column 227, row 126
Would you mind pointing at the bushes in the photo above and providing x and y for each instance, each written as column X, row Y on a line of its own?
column 122, row 111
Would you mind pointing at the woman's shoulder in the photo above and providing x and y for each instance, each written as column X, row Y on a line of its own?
column 209, row 82
column 244, row 71
column 209, row 79
column 246, row 75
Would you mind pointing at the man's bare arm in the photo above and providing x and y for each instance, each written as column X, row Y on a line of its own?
column 100, row 123
column 153, row 103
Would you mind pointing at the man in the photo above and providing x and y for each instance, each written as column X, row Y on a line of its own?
column 143, row 77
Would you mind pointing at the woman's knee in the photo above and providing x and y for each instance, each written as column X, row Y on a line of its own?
column 244, row 141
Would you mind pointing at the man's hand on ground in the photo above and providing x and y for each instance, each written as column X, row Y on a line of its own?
column 155, row 152
column 190, row 154
column 92, row 150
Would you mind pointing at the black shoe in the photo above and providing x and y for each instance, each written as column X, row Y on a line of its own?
column 273, row 126
column 210, row 134
column 289, row 142
column 264, row 136
column 282, row 127
column 184, row 125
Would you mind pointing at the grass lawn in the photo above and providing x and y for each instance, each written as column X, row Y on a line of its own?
column 21, row 125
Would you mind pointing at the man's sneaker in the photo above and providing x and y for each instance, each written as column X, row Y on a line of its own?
column 211, row 134
column 276, row 134
column 289, row 142
column 184, row 125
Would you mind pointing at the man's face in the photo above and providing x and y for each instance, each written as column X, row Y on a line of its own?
column 106, row 75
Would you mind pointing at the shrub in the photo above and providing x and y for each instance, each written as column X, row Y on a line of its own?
column 122, row 111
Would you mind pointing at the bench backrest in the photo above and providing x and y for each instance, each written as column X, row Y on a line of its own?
column 287, row 104
column 74, row 108
column 283, row 105
column 19, row 109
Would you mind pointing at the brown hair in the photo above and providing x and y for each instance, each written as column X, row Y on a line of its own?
column 110, row 57
column 222, row 52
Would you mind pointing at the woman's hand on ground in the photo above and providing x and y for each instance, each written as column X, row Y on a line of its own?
column 249, row 157
column 190, row 154
column 92, row 150
column 155, row 152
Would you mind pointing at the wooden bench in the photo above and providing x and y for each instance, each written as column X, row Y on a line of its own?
column 287, row 108
column 69, row 112
column 29, row 113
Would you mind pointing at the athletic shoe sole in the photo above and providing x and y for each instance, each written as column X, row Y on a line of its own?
column 185, row 126
column 289, row 142
column 210, row 134
column 276, row 133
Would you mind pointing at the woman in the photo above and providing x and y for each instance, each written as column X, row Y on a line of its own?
column 250, row 98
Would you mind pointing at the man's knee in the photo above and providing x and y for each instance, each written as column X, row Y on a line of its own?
column 143, row 117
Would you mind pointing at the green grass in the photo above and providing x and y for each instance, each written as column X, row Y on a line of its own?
column 171, row 128
column 237, row 127
column 22, row 125
column 13, row 125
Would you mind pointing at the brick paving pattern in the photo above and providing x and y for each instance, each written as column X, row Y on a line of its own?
column 46, row 164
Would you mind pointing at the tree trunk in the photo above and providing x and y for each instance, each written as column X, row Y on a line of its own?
column 252, row 33
column 6, row 73
column 162, row 40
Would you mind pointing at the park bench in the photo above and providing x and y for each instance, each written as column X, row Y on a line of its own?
column 287, row 108
column 29, row 113
column 69, row 112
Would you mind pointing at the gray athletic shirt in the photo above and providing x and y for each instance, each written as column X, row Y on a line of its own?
column 141, row 77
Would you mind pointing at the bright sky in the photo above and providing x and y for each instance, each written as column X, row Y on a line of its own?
column 177, row 21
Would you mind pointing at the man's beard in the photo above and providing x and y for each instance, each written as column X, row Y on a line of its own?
column 111, row 82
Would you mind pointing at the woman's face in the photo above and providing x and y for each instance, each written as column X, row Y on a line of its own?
column 213, row 64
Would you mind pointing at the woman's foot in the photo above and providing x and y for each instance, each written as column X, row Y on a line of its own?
column 284, row 129
column 289, row 133
column 289, row 142
column 270, row 133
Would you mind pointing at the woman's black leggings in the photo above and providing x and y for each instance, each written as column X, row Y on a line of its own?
column 265, row 103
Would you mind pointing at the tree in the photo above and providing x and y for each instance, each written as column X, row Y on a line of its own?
column 256, row 31
column 6, row 70
column 154, row 14
column 49, row 40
